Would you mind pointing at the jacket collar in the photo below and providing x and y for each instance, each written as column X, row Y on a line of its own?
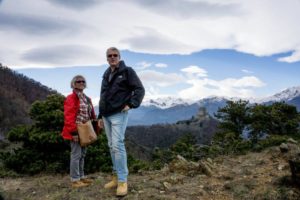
column 121, row 67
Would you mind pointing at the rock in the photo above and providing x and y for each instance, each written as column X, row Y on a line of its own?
column 189, row 168
column 227, row 185
column 176, row 179
column 209, row 160
column 202, row 192
column 295, row 170
column 291, row 140
column 167, row 185
column 284, row 148
column 280, row 167
column 292, row 153
column 179, row 157
column 205, row 168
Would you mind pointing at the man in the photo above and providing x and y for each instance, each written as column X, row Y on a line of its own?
column 121, row 90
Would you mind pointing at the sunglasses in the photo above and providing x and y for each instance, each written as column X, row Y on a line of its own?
column 79, row 81
column 112, row 55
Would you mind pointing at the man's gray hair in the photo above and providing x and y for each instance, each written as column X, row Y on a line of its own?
column 113, row 49
column 75, row 78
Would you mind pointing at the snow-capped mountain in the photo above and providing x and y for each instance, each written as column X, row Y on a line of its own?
column 166, row 102
column 285, row 95
column 171, row 110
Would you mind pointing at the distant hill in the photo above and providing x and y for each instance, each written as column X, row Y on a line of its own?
column 18, row 92
column 201, row 125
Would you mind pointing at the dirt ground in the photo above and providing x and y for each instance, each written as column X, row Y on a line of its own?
column 264, row 175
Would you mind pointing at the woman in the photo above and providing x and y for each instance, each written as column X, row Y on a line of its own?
column 78, row 108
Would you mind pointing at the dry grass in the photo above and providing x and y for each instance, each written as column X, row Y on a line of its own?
column 258, row 176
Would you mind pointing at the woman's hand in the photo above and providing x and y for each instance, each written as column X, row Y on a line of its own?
column 100, row 124
column 75, row 138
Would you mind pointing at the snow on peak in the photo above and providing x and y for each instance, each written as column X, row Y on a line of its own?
column 285, row 95
column 166, row 102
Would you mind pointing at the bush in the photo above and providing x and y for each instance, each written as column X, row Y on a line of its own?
column 272, row 140
column 43, row 148
column 184, row 146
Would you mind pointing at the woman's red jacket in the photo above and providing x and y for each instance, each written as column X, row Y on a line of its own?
column 71, row 108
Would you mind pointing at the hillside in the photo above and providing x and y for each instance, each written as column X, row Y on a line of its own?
column 263, row 175
column 202, row 126
column 18, row 92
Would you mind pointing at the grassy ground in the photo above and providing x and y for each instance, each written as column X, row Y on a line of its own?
column 263, row 175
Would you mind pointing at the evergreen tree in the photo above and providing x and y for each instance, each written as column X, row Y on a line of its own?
column 276, row 119
column 43, row 148
column 234, row 117
column 185, row 146
column 260, row 122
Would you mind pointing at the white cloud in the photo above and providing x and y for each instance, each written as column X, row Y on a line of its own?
column 257, row 27
column 246, row 81
column 59, row 55
column 195, row 70
column 154, row 78
column 95, row 101
column 143, row 65
column 149, row 40
column 295, row 57
column 161, row 65
column 77, row 4
column 201, row 88
column 153, row 93
column 247, row 71
column 189, row 9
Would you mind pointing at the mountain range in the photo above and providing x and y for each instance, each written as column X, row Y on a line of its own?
column 171, row 110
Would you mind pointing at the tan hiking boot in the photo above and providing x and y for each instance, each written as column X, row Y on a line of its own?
column 112, row 184
column 86, row 180
column 78, row 184
column 122, row 189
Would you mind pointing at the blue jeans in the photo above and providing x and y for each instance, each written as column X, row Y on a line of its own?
column 115, row 126
column 77, row 161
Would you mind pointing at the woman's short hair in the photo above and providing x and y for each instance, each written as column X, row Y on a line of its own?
column 75, row 78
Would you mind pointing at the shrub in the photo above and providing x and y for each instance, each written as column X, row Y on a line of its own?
column 43, row 148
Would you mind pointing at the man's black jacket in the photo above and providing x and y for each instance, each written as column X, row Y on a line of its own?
column 124, row 88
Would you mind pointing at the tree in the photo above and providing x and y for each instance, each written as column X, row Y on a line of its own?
column 44, row 149
column 260, row 122
column 234, row 117
column 285, row 119
column 276, row 119
column 185, row 146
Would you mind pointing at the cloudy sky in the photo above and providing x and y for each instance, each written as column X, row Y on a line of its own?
column 183, row 48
